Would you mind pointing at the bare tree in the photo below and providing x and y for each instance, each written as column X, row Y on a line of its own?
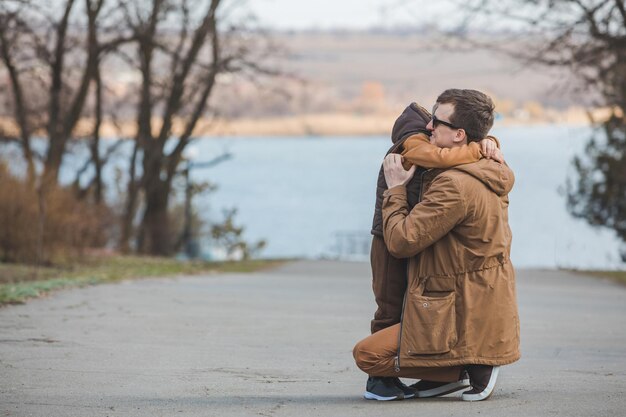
column 182, row 49
column 52, row 56
column 585, row 36
column 52, row 59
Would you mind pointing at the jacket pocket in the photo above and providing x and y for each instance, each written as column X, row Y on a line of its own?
column 431, row 326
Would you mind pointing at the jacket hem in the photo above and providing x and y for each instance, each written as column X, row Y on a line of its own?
column 438, row 363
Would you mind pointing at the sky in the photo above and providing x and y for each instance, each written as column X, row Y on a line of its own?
column 349, row 14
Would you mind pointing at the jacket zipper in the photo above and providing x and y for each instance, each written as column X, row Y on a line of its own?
column 422, row 185
column 397, row 358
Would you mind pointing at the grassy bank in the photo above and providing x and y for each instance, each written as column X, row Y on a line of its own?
column 20, row 282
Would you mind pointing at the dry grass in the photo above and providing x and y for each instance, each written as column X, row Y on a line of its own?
column 47, row 227
column 20, row 282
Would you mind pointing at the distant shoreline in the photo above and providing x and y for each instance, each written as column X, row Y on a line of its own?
column 323, row 124
column 347, row 124
column 354, row 125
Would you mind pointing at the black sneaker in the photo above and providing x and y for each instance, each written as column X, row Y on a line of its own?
column 428, row 389
column 483, row 379
column 382, row 389
column 406, row 390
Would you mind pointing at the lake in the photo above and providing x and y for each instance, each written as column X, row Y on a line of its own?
column 314, row 197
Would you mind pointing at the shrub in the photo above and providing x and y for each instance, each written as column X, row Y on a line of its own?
column 50, row 227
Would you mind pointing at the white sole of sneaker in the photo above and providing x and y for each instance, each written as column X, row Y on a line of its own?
column 486, row 393
column 444, row 389
column 370, row 396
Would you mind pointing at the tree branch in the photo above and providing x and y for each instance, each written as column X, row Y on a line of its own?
column 57, row 72
column 177, row 89
column 20, row 111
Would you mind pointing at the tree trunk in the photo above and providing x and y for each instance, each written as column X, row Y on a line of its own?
column 54, row 159
column 154, row 233
column 95, row 145
column 155, row 237
column 131, row 203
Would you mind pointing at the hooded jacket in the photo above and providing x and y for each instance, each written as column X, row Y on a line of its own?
column 460, row 305
column 413, row 120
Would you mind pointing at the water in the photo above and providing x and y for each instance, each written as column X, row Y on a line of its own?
column 300, row 193
column 314, row 197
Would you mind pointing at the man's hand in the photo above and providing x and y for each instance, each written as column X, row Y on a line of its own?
column 490, row 150
column 394, row 171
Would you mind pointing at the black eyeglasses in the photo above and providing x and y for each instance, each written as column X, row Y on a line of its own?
column 437, row 122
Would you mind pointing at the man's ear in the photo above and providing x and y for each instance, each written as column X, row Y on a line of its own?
column 460, row 136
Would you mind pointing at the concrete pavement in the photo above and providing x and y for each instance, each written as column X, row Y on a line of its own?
column 278, row 343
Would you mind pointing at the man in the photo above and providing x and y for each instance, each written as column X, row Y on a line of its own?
column 460, row 310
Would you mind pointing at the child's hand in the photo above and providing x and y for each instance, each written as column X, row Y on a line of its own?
column 490, row 150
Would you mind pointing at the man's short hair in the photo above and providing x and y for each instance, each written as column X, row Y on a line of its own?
column 473, row 111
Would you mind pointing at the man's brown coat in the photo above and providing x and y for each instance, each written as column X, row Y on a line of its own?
column 460, row 305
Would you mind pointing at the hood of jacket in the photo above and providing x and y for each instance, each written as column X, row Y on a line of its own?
column 498, row 177
column 412, row 120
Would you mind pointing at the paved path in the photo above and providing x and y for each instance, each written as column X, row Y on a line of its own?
column 279, row 343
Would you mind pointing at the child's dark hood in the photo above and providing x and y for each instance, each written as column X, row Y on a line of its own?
column 412, row 120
